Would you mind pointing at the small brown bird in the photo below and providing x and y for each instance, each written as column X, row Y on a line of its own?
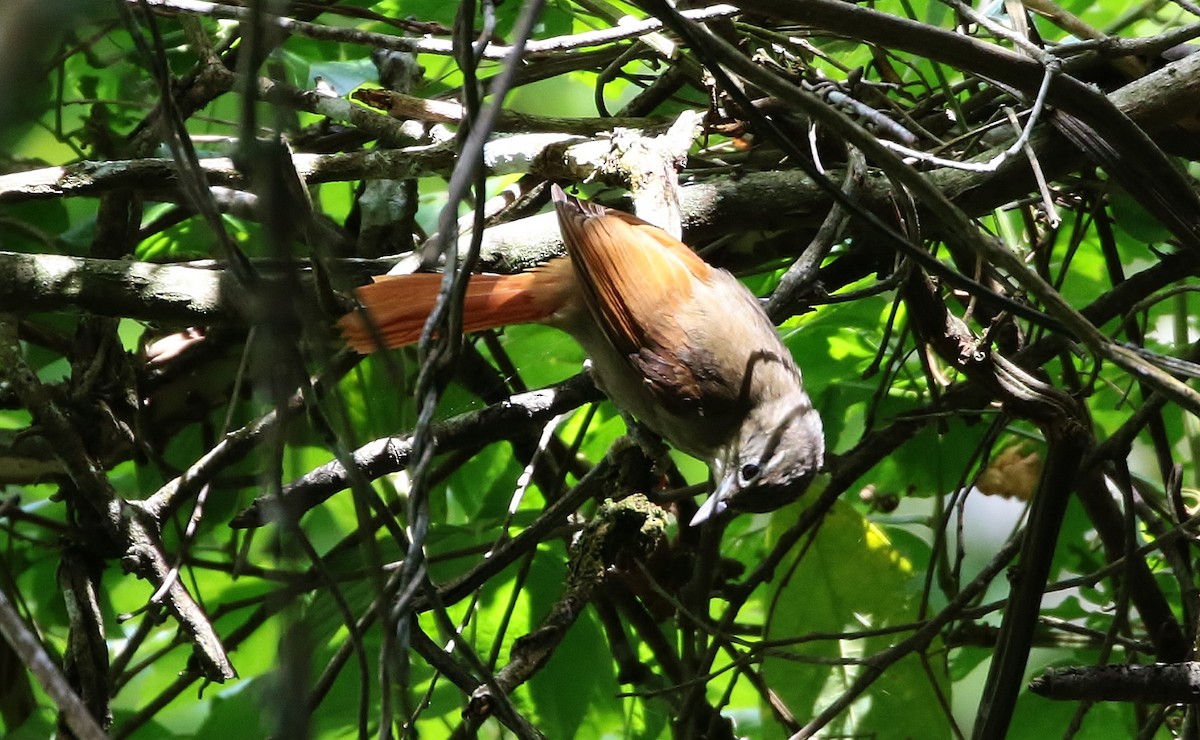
column 682, row 346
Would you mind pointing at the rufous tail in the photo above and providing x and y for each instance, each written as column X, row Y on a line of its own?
column 399, row 305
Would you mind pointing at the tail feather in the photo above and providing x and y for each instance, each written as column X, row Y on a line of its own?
column 396, row 307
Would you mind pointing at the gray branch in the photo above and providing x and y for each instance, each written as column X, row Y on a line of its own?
column 201, row 293
column 505, row 420
column 35, row 659
column 1164, row 683
column 427, row 45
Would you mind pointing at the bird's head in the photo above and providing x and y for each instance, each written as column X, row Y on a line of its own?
column 776, row 453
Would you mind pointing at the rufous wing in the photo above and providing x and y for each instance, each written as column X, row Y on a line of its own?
column 635, row 277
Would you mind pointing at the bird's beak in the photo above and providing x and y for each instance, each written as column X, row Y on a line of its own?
column 714, row 505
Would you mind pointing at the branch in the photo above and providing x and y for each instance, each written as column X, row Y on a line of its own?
column 427, row 45
column 625, row 467
column 1164, row 683
column 123, row 521
column 551, row 155
column 199, row 293
column 139, row 290
column 1154, row 102
column 410, row 107
column 1067, row 429
column 33, row 656
column 621, row 536
column 960, row 232
column 506, row 420
column 1143, row 169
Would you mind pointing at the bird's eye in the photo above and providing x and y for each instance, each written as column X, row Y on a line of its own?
column 750, row 471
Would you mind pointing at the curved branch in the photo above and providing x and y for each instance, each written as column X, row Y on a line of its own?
column 505, row 420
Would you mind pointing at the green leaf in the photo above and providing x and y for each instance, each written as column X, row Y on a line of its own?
column 343, row 76
column 852, row 579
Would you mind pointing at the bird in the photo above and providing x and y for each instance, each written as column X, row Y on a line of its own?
column 682, row 346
